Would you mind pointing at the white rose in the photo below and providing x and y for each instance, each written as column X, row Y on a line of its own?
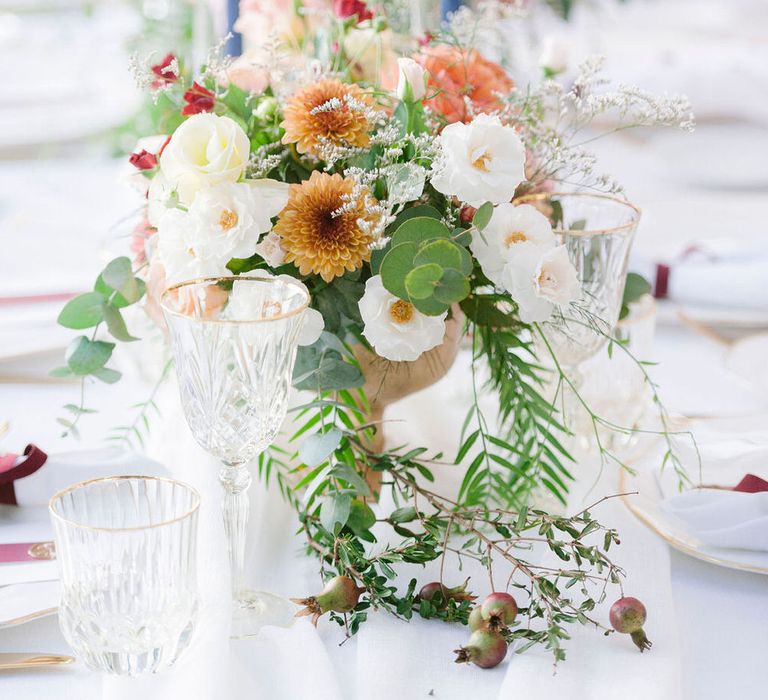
column 509, row 226
column 395, row 329
column 246, row 296
column 226, row 220
column 483, row 161
column 205, row 150
column 271, row 249
column 554, row 55
column 412, row 80
column 539, row 280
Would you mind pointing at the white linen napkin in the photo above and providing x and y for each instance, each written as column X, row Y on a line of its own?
column 722, row 518
column 66, row 468
column 719, row 516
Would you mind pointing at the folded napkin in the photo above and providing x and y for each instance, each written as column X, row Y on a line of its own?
column 720, row 272
column 36, row 479
column 730, row 509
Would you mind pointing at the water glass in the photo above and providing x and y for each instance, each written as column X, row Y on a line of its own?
column 127, row 550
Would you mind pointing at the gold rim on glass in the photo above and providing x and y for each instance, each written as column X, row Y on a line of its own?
column 624, row 228
column 235, row 278
column 60, row 494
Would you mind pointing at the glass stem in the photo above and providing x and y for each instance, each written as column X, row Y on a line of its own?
column 236, row 478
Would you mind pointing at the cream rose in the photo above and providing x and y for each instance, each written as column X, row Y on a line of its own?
column 205, row 150
column 483, row 161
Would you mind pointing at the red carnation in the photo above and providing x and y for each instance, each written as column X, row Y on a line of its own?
column 165, row 73
column 143, row 160
column 347, row 8
column 198, row 99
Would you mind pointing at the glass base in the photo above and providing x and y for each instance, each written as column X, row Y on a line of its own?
column 252, row 610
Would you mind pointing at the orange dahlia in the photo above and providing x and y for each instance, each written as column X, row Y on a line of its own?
column 327, row 112
column 457, row 73
column 320, row 226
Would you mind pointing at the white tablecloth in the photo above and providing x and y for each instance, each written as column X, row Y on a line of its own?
column 705, row 622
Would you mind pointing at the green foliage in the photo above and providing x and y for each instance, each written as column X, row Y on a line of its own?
column 635, row 287
column 425, row 267
column 116, row 287
column 326, row 365
column 482, row 216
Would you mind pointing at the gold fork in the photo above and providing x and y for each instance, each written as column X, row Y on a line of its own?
column 31, row 660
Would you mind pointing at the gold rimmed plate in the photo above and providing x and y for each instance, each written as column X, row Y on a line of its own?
column 646, row 503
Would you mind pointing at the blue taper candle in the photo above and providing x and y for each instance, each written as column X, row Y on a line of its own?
column 450, row 6
column 235, row 44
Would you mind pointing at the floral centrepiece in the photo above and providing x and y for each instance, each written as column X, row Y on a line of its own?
column 395, row 206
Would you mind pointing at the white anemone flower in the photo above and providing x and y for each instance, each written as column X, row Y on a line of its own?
column 394, row 327
column 539, row 280
column 483, row 161
column 509, row 226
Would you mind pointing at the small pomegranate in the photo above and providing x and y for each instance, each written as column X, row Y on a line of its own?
column 628, row 616
column 499, row 610
column 476, row 621
column 457, row 593
column 340, row 595
column 485, row 649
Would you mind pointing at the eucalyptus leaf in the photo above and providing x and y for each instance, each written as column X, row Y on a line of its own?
column 483, row 216
column 84, row 311
column 85, row 356
column 420, row 283
column 319, row 446
column 116, row 324
column 420, row 229
column 107, row 375
column 350, row 475
column 335, row 511
column 452, row 287
column 444, row 253
column 118, row 275
column 397, row 263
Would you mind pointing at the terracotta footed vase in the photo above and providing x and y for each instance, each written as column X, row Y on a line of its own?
column 387, row 382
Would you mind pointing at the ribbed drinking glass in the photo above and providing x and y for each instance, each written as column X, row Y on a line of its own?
column 127, row 552
column 234, row 342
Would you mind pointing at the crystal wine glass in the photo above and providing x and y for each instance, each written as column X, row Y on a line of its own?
column 234, row 342
column 597, row 230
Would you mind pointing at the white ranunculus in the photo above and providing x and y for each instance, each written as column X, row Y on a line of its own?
column 246, row 296
column 395, row 328
column 509, row 226
column 136, row 178
column 271, row 249
column 205, row 150
column 539, row 279
column 412, row 80
column 175, row 246
column 483, row 161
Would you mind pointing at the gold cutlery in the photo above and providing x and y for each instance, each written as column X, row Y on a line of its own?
column 32, row 660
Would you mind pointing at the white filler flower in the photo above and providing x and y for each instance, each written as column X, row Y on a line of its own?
column 395, row 328
column 205, row 150
column 483, row 161
column 509, row 227
column 539, row 280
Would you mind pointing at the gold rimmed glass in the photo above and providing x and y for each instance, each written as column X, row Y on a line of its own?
column 234, row 342
column 597, row 230
column 127, row 553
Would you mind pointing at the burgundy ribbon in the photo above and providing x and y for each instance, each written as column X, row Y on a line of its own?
column 662, row 281
column 34, row 459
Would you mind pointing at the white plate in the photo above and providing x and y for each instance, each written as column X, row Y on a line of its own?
column 24, row 602
column 646, row 504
